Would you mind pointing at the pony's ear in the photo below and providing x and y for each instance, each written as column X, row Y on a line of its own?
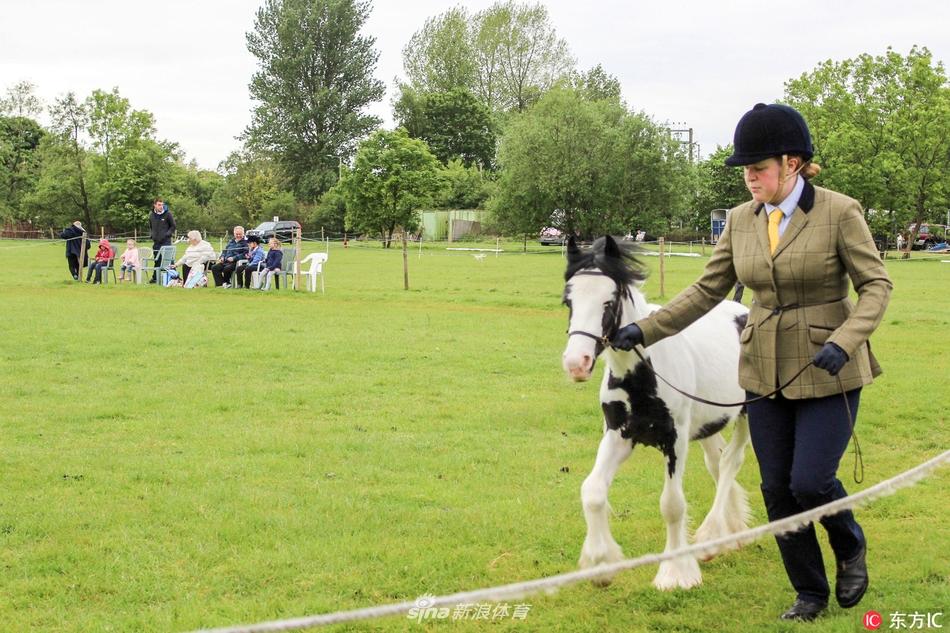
column 572, row 249
column 610, row 247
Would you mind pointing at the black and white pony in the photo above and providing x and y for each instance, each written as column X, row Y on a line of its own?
column 602, row 293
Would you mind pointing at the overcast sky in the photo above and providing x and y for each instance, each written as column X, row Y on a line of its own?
column 701, row 63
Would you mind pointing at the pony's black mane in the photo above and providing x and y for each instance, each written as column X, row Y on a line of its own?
column 618, row 260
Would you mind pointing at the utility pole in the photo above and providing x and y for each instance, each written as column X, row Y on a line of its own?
column 685, row 136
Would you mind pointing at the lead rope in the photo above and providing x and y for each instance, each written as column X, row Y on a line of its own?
column 858, row 456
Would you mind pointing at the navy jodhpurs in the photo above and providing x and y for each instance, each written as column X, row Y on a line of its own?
column 799, row 444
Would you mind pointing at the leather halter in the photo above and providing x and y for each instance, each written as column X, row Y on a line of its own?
column 614, row 307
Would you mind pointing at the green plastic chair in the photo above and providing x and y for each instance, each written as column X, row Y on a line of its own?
column 166, row 254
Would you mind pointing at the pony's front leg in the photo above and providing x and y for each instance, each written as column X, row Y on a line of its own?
column 680, row 572
column 599, row 545
column 730, row 510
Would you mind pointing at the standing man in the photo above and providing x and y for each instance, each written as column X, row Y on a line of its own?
column 163, row 228
column 73, row 236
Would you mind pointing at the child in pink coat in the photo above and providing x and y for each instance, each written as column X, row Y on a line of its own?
column 130, row 261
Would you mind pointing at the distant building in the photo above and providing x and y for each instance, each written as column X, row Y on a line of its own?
column 451, row 225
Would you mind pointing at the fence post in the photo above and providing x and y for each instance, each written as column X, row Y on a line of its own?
column 82, row 255
column 405, row 261
column 662, row 269
column 297, row 260
column 704, row 247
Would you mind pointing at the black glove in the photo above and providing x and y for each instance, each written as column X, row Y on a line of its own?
column 831, row 358
column 627, row 337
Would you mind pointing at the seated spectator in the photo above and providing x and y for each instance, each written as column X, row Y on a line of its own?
column 198, row 253
column 104, row 255
column 272, row 264
column 235, row 250
column 130, row 261
column 255, row 257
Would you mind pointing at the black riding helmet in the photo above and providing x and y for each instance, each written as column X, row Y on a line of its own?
column 770, row 130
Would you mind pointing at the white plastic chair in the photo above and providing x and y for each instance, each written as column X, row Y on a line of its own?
column 316, row 270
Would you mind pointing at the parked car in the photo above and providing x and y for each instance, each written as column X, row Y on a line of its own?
column 551, row 237
column 285, row 230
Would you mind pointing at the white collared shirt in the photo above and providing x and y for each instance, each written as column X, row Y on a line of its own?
column 788, row 205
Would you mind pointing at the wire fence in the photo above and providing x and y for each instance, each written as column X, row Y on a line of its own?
column 551, row 584
column 503, row 247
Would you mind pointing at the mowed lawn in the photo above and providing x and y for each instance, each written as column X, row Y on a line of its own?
column 176, row 459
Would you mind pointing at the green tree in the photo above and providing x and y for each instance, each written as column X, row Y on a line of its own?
column 438, row 57
column 62, row 190
column 719, row 186
column 314, row 80
column 392, row 177
column 596, row 84
column 530, row 56
column 454, row 124
column 251, row 182
column 101, row 163
column 128, row 164
column 20, row 139
column 189, row 191
column 464, row 187
column 586, row 168
column 881, row 128
column 21, row 101
column 330, row 212
column 507, row 55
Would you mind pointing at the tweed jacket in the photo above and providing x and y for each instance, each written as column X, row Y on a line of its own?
column 800, row 294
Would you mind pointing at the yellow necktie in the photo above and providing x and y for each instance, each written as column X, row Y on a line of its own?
column 775, row 218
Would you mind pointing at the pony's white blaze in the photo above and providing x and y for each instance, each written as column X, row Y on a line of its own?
column 586, row 316
column 602, row 292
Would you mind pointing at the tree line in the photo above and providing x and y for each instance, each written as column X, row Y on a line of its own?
column 492, row 113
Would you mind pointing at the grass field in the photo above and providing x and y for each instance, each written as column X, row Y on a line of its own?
column 175, row 459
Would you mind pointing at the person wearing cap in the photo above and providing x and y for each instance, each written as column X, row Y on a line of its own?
column 246, row 267
column 73, row 236
column 795, row 246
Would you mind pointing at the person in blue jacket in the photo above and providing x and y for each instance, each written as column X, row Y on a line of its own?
column 272, row 264
column 255, row 258
column 235, row 251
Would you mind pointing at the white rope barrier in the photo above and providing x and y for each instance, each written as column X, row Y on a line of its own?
column 551, row 584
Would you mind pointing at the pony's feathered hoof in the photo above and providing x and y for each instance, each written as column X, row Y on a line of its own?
column 713, row 528
column 591, row 556
column 682, row 573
